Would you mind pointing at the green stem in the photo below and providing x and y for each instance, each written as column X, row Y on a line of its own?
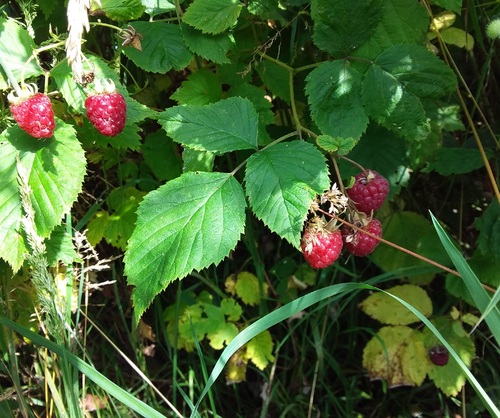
column 10, row 76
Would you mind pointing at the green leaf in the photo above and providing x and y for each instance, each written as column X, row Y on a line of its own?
column 224, row 126
column 259, row 350
column 16, row 47
column 161, row 155
column 187, row 224
column 387, row 310
column 403, row 22
column 122, row 10
column 413, row 232
column 157, row 7
column 449, row 378
column 213, row 16
column 388, row 102
column 163, row 48
column 275, row 78
column 200, row 88
column 334, row 95
column 281, row 182
column 458, row 37
column 193, row 160
column 341, row 26
column 258, row 99
column 418, row 70
column 397, row 355
column 96, row 228
column 453, row 5
column 211, row 47
column 341, row 146
column 448, row 161
column 488, row 226
column 60, row 247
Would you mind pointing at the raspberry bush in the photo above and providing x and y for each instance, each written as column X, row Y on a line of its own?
column 226, row 159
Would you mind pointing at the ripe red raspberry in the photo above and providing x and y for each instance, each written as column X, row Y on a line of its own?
column 439, row 355
column 320, row 246
column 369, row 191
column 106, row 109
column 360, row 244
column 33, row 113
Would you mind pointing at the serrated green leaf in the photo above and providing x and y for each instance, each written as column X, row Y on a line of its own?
column 413, row 232
column 398, row 355
column 450, row 378
column 488, row 226
column 122, row 10
column 213, row 16
column 96, row 228
column 157, row 7
column 403, row 22
column 211, row 47
column 388, row 103
column 448, row 161
column 60, row 247
column 55, row 168
column 224, row 126
column 161, row 155
column 281, row 182
column 343, row 25
column 163, row 48
column 16, row 47
column 334, row 95
column 194, row 160
column 187, row 224
column 418, row 70
column 340, row 146
column 259, row 350
column 200, row 88
column 387, row 310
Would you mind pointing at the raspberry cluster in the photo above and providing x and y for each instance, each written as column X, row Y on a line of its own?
column 322, row 241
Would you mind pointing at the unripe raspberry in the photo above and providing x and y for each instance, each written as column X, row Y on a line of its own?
column 493, row 29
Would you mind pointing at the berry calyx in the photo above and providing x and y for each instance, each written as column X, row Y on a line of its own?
column 439, row 355
column 106, row 109
column 320, row 246
column 369, row 191
column 33, row 112
column 359, row 243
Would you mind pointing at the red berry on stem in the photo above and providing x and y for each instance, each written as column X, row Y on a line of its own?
column 439, row 355
column 106, row 110
column 369, row 191
column 359, row 243
column 33, row 113
column 320, row 246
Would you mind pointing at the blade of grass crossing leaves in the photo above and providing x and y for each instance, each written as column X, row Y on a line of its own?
column 101, row 380
column 492, row 305
column 310, row 299
column 479, row 295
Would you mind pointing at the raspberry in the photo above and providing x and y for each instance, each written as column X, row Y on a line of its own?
column 106, row 109
column 439, row 355
column 320, row 246
column 360, row 244
column 33, row 112
column 369, row 191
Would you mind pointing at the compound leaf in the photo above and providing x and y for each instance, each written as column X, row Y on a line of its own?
column 187, row 224
column 281, row 182
column 122, row 10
